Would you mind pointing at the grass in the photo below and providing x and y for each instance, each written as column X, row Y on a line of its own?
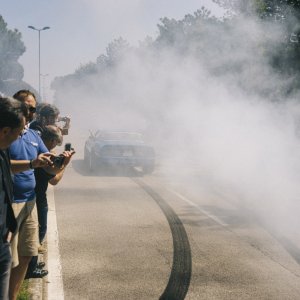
column 23, row 293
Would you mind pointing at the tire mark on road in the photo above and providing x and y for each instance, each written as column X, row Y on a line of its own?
column 180, row 275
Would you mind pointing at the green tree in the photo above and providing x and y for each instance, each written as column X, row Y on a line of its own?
column 178, row 33
column 277, row 9
column 11, row 48
column 285, row 59
column 115, row 51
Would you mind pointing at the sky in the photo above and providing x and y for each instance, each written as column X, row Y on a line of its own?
column 80, row 30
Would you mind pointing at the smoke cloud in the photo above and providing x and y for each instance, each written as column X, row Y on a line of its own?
column 213, row 109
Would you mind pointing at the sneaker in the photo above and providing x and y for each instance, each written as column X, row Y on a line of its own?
column 42, row 249
column 37, row 273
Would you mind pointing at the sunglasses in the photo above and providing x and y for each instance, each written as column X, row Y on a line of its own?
column 32, row 109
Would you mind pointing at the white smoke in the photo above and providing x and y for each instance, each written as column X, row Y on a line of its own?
column 201, row 114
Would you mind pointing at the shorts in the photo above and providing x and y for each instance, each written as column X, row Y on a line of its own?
column 25, row 239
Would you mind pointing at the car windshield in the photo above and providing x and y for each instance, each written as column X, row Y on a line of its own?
column 127, row 136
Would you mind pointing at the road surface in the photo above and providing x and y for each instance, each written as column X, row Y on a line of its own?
column 127, row 236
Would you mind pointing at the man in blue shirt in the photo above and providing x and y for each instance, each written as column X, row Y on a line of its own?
column 27, row 152
column 12, row 122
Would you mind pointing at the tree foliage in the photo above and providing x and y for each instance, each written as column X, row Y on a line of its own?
column 11, row 48
column 178, row 33
column 279, row 10
column 114, row 53
column 226, row 48
column 286, row 57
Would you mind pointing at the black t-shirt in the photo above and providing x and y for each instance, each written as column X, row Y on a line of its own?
column 7, row 218
column 42, row 178
column 37, row 127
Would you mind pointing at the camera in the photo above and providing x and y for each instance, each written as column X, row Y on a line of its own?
column 58, row 161
column 63, row 119
column 68, row 147
column 65, row 128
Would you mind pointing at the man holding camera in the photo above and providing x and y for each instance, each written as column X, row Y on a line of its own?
column 48, row 114
column 51, row 136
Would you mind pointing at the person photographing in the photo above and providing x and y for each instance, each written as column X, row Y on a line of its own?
column 51, row 136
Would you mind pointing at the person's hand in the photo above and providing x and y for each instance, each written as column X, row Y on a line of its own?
column 43, row 160
column 8, row 236
column 67, row 155
column 67, row 122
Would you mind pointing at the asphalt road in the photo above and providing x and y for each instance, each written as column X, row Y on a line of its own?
column 124, row 236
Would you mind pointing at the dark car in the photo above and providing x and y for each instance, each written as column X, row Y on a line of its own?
column 127, row 149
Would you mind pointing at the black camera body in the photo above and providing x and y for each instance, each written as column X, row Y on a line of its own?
column 58, row 161
column 68, row 147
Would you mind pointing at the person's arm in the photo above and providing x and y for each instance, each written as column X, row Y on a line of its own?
column 42, row 160
column 53, row 170
column 56, row 179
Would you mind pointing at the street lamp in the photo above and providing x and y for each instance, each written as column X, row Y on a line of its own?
column 39, row 30
column 43, row 85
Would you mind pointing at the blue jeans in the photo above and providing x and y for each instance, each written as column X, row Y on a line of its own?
column 42, row 211
column 5, row 267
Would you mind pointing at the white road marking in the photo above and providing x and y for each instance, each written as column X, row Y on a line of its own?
column 55, row 285
column 198, row 207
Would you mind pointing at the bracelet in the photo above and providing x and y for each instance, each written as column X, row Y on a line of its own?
column 30, row 164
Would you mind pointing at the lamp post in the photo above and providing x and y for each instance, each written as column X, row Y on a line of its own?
column 39, row 30
column 44, row 86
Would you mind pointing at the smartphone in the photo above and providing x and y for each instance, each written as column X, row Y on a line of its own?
column 68, row 147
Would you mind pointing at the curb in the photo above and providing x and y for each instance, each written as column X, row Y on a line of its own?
column 51, row 286
column 54, row 285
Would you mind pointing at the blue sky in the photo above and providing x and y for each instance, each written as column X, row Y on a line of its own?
column 82, row 29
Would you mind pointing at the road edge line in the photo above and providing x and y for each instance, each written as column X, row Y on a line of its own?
column 198, row 207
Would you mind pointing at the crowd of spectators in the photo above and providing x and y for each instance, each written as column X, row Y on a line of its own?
column 28, row 136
